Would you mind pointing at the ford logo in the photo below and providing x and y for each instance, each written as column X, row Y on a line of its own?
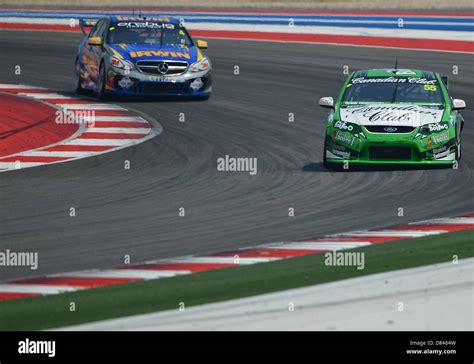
column 390, row 129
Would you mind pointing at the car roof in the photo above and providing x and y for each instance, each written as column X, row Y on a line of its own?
column 160, row 19
column 394, row 72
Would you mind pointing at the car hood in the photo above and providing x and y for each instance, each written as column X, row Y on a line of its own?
column 167, row 52
column 391, row 114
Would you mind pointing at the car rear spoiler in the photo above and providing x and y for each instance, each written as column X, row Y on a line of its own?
column 87, row 25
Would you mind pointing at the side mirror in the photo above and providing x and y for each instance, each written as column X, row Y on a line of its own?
column 202, row 44
column 94, row 41
column 459, row 104
column 327, row 102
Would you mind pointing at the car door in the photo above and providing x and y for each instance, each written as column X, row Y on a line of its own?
column 92, row 54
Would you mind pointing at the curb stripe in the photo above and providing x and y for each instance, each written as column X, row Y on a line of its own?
column 457, row 220
column 318, row 246
column 26, row 158
column 127, row 273
column 78, row 148
column 9, row 296
column 83, row 282
column 223, row 260
column 109, row 128
column 69, row 282
column 119, row 130
column 35, row 288
column 390, row 233
column 100, row 142
column 271, row 252
column 192, row 267
column 428, row 227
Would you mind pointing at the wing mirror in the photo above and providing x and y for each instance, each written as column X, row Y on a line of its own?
column 202, row 44
column 94, row 41
column 459, row 104
column 327, row 102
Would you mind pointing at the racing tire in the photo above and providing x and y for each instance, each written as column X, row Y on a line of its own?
column 101, row 93
column 78, row 81
column 326, row 164
column 458, row 154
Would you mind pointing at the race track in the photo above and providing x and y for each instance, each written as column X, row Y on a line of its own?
column 135, row 212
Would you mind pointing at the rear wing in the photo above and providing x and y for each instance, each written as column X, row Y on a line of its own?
column 87, row 25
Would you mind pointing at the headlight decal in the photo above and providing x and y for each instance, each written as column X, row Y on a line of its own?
column 203, row 65
column 121, row 63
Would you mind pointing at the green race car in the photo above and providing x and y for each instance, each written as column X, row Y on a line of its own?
column 393, row 116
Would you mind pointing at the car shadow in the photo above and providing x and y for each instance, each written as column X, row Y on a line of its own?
column 148, row 99
column 315, row 167
column 319, row 167
column 135, row 99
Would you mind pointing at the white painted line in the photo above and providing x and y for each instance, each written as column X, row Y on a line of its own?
column 127, row 273
column 15, row 86
column 447, row 220
column 113, row 118
column 44, row 96
column 12, row 165
column 336, row 30
column 221, row 260
column 70, row 154
column 103, row 142
column 35, row 288
column 119, row 130
column 394, row 233
column 91, row 107
column 316, row 246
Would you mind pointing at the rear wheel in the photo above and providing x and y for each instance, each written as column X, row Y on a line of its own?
column 78, row 80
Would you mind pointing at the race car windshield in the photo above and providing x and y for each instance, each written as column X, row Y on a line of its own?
column 393, row 90
column 148, row 33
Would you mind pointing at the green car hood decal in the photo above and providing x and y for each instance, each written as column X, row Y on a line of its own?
column 391, row 114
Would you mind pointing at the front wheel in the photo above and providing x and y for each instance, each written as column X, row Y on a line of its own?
column 101, row 94
column 458, row 151
column 326, row 164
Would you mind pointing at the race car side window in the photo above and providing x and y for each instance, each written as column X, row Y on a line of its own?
column 102, row 29
column 98, row 29
column 93, row 32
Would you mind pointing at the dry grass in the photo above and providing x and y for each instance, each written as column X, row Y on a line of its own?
column 294, row 4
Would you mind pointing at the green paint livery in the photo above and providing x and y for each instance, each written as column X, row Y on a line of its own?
column 393, row 116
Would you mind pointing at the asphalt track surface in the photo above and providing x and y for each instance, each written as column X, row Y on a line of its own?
column 135, row 212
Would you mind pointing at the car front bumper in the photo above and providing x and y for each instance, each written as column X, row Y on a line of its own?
column 135, row 83
column 389, row 153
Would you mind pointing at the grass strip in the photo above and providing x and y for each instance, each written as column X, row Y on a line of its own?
column 163, row 294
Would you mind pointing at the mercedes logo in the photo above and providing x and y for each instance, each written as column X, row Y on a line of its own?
column 390, row 129
column 162, row 67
